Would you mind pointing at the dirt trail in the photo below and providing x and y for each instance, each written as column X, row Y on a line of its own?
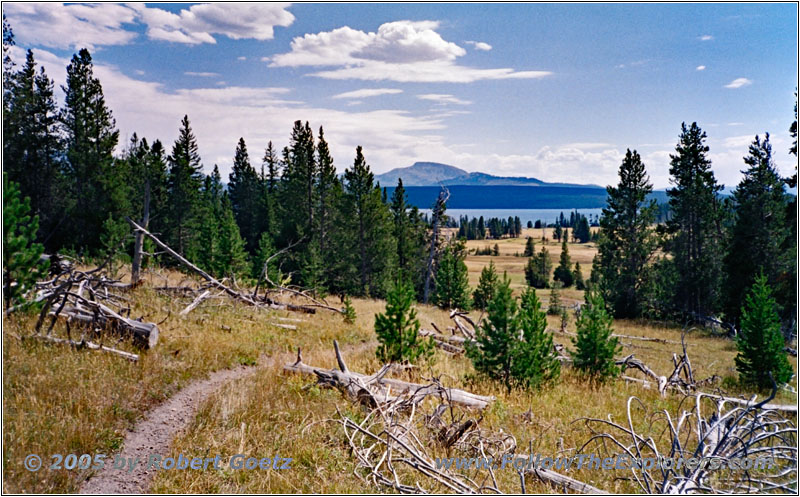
column 154, row 434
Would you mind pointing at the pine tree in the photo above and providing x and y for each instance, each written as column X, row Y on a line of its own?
column 696, row 239
column 32, row 147
column 398, row 328
column 273, row 168
column 537, row 271
column 487, row 286
column 452, row 279
column 761, row 358
column 563, row 272
column 298, row 188
column 759, row 230
column 530, row 247
column 627, row 242
column 582, row 233
column 492, row 351
column 595, row 346
column 365, row 242
column 244, row 188
column 22, row 264
column 577, row 276
column 184, row 181
column 554, row 306
column 534, row 361
column 329, row 193
column 90, row 140
column 231, row 257
column 209, row 212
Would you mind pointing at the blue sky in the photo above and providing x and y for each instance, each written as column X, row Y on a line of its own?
column 553, row 91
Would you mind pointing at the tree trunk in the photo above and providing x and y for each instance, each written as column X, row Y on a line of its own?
column 137, row 248
column 437, row 213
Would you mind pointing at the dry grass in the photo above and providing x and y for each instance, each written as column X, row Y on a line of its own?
column 57, row 400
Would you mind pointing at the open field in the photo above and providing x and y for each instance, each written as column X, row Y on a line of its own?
column 57, row 400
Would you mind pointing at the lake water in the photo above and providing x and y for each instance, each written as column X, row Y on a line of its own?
column 525, row 215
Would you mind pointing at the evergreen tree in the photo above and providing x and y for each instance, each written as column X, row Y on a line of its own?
column 246, row 197
column 184, row 181
column 757, row 237
column 32, row 147
column 530, row 247
column 22, row 264
column 231, row 257
column 761, row 358
column 273, row 168
column 298, row 187
column 329, row 193
column 577, row 276
column 90, row 140
column 398, row 328
column 554, row 306
column 452, row 279
column 582, row 233
column 209, row 212
column 537, row 271
column 409, row 232
column 696, row 239
column 492, row 351
column 595, row 346
column 627, row 241
column 487, row 286
column 563, row 272
column 534, row 361
column 365, row 240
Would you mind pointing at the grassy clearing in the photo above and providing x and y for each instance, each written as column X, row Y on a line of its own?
column 57, row 400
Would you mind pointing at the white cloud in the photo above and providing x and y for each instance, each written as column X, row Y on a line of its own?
column 705, row 38
column 368, row 92
column 479, row 45
column 701, row 68
column 738, row 83
column 58, row 25
column 402, row 51
column 198, row 23
column 736, row 124
column 443, row 99
column 201, row 74
column 70, row 26
column 241, row 58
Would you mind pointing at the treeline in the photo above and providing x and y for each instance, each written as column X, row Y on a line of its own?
column 701, row 263
column 333, row 234
column 476, row 228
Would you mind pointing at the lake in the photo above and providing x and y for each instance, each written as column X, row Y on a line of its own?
column 525, row 215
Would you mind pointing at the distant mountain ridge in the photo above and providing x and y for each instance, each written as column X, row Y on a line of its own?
column 435, row 174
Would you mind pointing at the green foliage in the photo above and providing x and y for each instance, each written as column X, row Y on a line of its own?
column 537, row 271
column 349, row 312
column 398, row 328
column 511, row 343
column 563, row 272
column 761, row 357
column 487, row 286
column 554, row 306
column 530, row 247
column 452, row 278
column 695, row 241
column 184, row 180
column 231, row 257
column 22, row 264
column 115, row 231
column 627, row 241
column 577, row 276
column 246, row 196
column 594, row 346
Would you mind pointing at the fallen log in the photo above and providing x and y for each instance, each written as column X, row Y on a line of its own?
column 376, row 386
column 562, row 481
column 189, row 308
column 629, row 337
column 87, row 344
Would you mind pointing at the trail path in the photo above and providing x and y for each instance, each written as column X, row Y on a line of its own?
column 154, row 434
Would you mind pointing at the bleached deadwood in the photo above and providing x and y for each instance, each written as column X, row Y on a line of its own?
column 628, row 337
column 632, row 362
column 189, row 308
column 85, row 344
column 563, row 481
column 284, row 326
column 468, row 333
column 453, row 344
column 358, row 385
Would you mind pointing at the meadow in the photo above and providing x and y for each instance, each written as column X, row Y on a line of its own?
column 59, row 400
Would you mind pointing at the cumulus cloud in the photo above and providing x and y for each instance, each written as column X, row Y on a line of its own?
column 368, row 92
column 701, row 68
column 738, row 83
column 443, row 99
column 201, row 74
column 479, row 45
column 705, row 38
column 403, row 51
column 58, row 25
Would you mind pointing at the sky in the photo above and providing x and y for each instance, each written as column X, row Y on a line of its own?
column 552, row 91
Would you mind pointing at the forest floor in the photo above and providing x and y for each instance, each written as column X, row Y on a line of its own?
column 59, row 400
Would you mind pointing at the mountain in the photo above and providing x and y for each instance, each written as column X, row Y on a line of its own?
column 435, row 174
